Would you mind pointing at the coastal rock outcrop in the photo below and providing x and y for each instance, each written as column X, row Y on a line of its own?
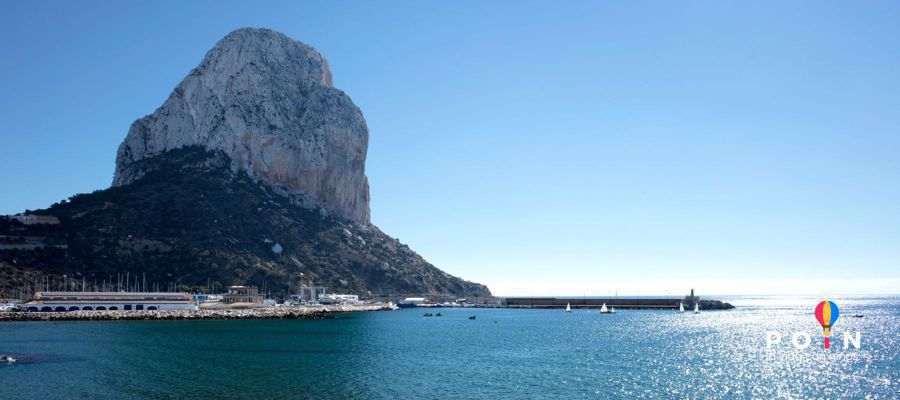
column 268, row 103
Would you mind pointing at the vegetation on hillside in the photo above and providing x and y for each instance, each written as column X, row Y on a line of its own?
column 193, row 222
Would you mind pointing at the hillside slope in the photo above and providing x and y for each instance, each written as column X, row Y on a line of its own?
column 193, row 220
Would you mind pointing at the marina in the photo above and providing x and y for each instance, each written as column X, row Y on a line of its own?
column 238, row 302
column 294, row 312
column 246, row 302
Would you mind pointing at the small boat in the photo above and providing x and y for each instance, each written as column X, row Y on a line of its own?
column 428, row 314
column 681, row 307
column 604, row 310
column 858, row 315
column 696, row 308
column 438, row 315
column 568, row 308
column 612, row 310
column 471, row 317
column 7, row 359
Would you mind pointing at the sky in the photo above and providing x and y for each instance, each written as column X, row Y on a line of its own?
column 541, row 148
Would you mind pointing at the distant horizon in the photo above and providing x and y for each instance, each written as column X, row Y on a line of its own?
column 723, row 146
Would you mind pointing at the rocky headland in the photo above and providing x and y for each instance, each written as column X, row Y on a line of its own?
column 251, row 172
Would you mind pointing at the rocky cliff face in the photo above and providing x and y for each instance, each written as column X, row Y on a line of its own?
column 267, row 102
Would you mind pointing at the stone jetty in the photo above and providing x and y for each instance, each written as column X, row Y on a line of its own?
column 300, row 312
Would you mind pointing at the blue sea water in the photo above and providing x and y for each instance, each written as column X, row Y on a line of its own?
column 504, row 353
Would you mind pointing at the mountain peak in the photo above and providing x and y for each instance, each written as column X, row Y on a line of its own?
column 268, row 103
column 267, row 48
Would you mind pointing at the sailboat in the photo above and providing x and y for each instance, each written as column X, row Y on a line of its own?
column 697, row 308
column 681, row 307
column 612, row 310
column 568, row 308
column 604, row 310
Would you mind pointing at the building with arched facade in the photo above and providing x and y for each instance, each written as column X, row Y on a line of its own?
column 108, row 301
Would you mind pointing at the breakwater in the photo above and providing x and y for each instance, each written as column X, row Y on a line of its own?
column 617, row 302
column 305, row 312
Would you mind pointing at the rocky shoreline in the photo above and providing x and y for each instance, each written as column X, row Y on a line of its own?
column 306, row 312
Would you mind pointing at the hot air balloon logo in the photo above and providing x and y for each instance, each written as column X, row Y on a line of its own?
column 827, row 313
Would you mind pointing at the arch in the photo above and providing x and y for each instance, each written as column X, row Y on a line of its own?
column 73, row 308
column 100, row 308
column 87, row 308
column 60, row 309
column 32, row 309
column 151, row 308
column 45, row 309
column 113, row 308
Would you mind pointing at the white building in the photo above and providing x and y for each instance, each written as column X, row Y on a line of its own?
column 108, row 301
column 338, row 299
column 206, row 298
column 412, row 302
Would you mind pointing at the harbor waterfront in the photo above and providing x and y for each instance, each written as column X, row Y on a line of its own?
column 292, row 312
column 504, row 353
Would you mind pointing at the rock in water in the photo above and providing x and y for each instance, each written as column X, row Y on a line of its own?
column 268, row 103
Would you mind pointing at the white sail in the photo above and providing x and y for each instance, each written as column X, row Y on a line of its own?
column 680, row 307
column 603, row 309
column 697, row 308
column 568, row 308
column 612, row 310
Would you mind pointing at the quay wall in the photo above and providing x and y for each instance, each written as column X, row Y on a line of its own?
column 618, row 302
column 310, row 312
column 593, row 302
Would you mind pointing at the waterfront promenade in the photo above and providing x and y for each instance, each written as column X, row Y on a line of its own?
column 296, row 312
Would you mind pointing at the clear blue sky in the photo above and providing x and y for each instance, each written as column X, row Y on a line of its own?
column 539, row 147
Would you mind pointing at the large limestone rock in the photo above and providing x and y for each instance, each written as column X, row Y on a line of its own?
column 267, row 102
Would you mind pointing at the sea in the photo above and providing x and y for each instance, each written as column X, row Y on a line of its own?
column 501, row 354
